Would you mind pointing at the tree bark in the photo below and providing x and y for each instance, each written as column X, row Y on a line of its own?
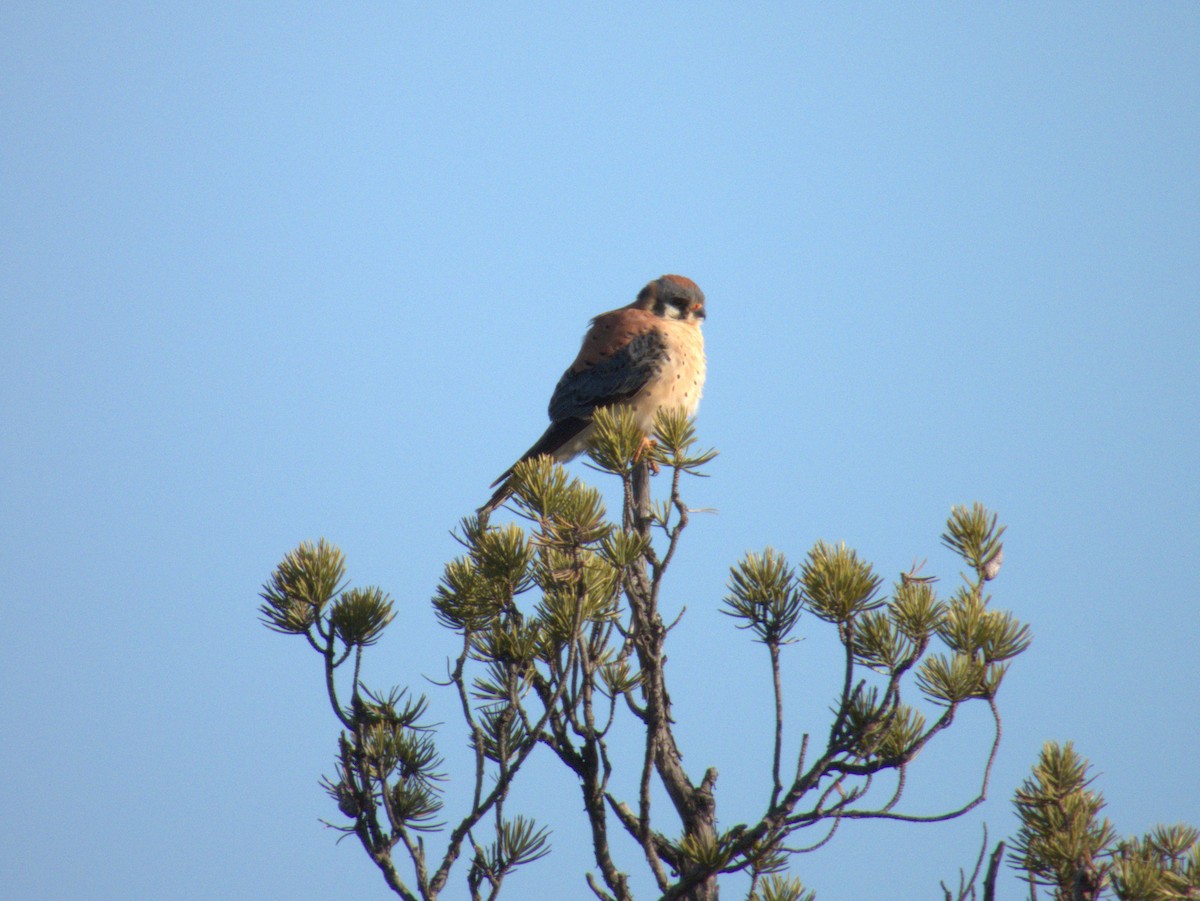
column 695, row 805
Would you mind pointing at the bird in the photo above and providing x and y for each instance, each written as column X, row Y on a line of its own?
column 648, row 355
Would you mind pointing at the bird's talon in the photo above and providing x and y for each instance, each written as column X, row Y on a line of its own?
column 644, row 448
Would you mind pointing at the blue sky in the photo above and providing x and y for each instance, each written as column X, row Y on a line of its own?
column 272, row 272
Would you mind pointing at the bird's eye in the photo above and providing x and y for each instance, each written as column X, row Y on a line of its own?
column 675, row 307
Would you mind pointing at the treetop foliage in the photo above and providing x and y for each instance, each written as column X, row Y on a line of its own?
column 559, row 647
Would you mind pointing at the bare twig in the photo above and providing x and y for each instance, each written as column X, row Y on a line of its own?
column 993, row 870
column 776, row 782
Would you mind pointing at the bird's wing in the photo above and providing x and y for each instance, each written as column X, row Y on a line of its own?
column 621, row 353
column 611, row 378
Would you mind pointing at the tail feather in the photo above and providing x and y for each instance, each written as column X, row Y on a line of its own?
column 499, row 497
column 552, row 440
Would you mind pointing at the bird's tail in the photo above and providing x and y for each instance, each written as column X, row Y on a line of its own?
column 499, row 497
column 551, row 442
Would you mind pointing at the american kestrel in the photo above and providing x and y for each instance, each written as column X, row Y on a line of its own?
column 648, row 356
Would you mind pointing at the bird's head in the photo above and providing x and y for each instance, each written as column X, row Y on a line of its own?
column 672, row 297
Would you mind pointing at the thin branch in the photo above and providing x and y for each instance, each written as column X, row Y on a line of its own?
column 500, row 789
column 807, row 849
column 901, row 779
column 938, row 818
column 391, row 877
column 330, row 687
column 966, row 887
column 661, row 568
column 800, row 758
column 993, row 870
column 644, row 834
column 864, row 769
column 846, row 633
column 777, row 783
column 662, row 847
column 596, row 890
column 416, row 853
column 469, row 715
column 312, row 641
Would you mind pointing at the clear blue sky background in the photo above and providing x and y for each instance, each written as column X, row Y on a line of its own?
column 271, row 272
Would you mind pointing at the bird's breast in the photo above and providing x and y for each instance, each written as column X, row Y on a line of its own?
column 679, row 382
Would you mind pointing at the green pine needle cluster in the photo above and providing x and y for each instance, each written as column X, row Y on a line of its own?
column 973, row 534
column 518, row 841
column 360, row 615
column 675, row 438
column 616, row 439
column 889, row 634
column 838, row 586
column 1064, row 843
column 617, row 442
column 1163, row 865
column 878, row 729
column 386, row 757
column 782, row 888
column 302, row 585
column 306, row 595
column 766, row 595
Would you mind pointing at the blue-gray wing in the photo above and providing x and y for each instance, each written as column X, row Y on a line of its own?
column 610, row 380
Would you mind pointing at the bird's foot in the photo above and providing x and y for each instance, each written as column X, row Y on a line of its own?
column 643, row 449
